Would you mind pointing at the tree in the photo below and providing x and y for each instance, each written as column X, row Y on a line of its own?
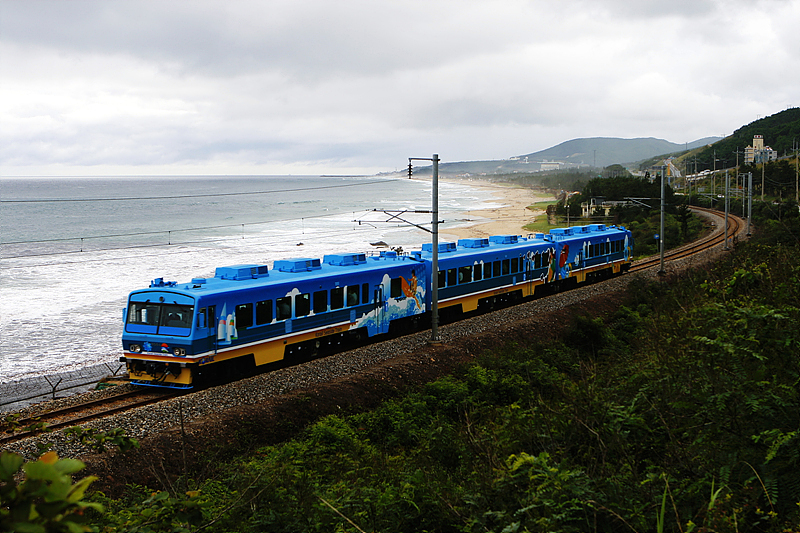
column 45, row 500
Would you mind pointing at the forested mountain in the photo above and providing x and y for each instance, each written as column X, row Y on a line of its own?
column 780, row 131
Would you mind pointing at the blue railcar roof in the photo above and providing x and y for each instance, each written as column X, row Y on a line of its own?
column 285, row 271
column 343, row 265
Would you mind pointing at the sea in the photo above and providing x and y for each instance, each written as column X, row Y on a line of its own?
column 73, row 248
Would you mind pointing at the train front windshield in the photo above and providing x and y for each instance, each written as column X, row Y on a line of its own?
column 160, row 318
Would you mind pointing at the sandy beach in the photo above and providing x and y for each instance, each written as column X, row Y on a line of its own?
column 506, row 219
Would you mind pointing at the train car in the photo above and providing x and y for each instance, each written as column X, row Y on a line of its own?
column 482, row 273
column 248, row 316
column 591, row 252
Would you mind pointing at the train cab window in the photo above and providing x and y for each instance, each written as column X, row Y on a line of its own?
column 496, row 269
column 465, row 274
column 244, row 316
column 320, row 302
column 442, row 279
column 144, row 313
column 352, row 295
column 477, row 272
column 487, row 270
column 302, row 304
column 505, row 267
column 365, row 293
column 263, row 312
column 515, row 265
column 337, row 298
column 283, row 308
column 452, row 276
column 396, row 288
column 212, row 314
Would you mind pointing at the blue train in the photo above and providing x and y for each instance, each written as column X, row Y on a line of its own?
column 246, row 316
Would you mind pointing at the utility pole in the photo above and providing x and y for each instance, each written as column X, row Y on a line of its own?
column 796, row 176
column 435, row 245
column 661, row 270
column 727, row 183
column 763, row 169
column 749, row 200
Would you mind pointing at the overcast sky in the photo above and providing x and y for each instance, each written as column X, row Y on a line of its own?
column 332, row 87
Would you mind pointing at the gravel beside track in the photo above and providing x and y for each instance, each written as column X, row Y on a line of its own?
column 282, row 401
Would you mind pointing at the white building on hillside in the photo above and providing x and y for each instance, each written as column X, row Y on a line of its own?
column 758, row 153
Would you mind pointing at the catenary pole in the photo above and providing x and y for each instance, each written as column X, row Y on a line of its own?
column 661, row 270
column 435, row 261
column 727, row 184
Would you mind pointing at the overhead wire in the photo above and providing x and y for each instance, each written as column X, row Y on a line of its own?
column 182, row 196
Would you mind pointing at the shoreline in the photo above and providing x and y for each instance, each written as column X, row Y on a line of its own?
column 506, row 219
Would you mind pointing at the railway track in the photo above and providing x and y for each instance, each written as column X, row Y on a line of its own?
column 83, row 412
column 735, row 227
column 78, row 414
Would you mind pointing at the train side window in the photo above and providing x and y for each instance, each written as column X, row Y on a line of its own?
column 487, row 270
column 505, row 266
column 244, row 316
column 514, row 265
column 337, row 298
column 352, row 295
column 465, row 274
column 365, row 293
column 320, row 302
column 477, row 272
column 452, row 276
column 263, row 312
column 201, row 318
column 496, row 269
column 396, row 288
column 283, row 308
column 442, row 279
column 302, row 304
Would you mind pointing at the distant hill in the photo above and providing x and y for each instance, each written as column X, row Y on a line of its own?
column 780, row 131
column 605, row 151
column 591, row 152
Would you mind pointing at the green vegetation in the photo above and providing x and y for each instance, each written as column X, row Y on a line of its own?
column 679, row 412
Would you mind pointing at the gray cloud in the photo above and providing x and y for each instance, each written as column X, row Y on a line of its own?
column 280, row 85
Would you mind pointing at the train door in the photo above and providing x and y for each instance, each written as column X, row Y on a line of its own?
column 212, row 327
column 381, row 320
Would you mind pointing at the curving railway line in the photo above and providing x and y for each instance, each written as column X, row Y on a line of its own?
column 16, row 429
column 735, row 227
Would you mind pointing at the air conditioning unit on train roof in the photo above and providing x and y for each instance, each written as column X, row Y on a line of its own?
column 345, row 259
column 239, row 272
column 444, row 247
column 504, row 239
column 297, row 265
column 473, row 243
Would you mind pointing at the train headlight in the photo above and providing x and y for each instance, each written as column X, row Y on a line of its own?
column 180, row 352
column 135, row 348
